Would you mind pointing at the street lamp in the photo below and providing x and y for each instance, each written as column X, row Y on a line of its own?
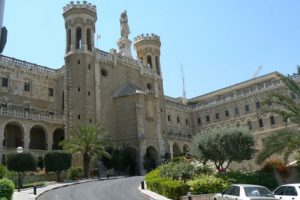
column 19, row 151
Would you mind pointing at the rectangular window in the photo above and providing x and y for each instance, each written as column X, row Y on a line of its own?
column 272, row 120
column 27, row 86
column 50, row 92
column 236, row 110
column 261, row 123
column 226, row 113
column 247, row 108
column 187, row 122
column 178, row 120
column 169, row 118
column 257, row 105
column 217, row 115
column 199, row 120
column 4, row 82
column 207, row 118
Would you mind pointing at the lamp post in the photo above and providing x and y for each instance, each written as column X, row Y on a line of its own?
column 19, row 151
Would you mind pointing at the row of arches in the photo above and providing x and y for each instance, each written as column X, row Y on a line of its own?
column 175, row 149
column 80, row 38
column 37, row 137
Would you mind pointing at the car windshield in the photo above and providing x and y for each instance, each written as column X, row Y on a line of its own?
column 253, row 191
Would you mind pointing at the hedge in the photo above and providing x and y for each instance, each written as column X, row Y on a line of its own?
column 6, row 188
column 169, row 188
column 207, row 184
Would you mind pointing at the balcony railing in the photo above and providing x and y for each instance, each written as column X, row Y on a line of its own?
column 58, row 119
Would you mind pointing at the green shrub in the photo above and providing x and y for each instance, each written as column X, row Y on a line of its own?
column 167, row 187
column 6, row 188
column 74, row 173
column 207, row 184
column 4, row 173
column 177, row 171
column 3, row 198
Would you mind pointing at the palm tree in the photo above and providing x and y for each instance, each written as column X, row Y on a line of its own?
column 287, row 140
column 89, row 141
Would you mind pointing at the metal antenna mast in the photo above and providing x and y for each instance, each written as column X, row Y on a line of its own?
column 183, row 85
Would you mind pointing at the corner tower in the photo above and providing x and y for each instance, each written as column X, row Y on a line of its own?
column 79, row 90
column 148, row 51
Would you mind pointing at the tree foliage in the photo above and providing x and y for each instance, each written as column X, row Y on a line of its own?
column 89, row 141
column 57, row 161
column 284, row 141
column 223, row 145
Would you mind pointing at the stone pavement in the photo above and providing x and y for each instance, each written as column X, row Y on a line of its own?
column 27, row 194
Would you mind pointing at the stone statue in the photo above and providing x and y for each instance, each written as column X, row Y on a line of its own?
column 125, row 31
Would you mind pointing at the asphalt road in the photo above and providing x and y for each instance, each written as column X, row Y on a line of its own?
column 114, row 189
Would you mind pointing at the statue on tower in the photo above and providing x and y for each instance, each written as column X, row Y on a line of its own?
column 125, row 31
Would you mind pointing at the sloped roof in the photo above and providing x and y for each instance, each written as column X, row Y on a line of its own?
column 128, row 89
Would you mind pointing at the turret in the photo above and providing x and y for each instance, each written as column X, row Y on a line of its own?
column 79, row 90
column 148, row 50
column 80, row 19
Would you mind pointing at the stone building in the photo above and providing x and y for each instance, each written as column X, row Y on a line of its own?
column 39, row 106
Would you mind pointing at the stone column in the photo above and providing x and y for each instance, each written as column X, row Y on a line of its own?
column 26, row 137
column 171, row 149
column 125, row 47
column 49, row 141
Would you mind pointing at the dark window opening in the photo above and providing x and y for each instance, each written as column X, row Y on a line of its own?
column 90, row 120
column 89, row 93
column 103, row 72
column 261, row 123
column 149, row 86
column 69, row 40
column 89, row 66
column 226, row 113
column 78, row 38
column 78, row 116
column 178, row 120
column 149, row 61
column 27, row 86
column 187, row 122
column 272, row 120
column 199, row 120
column 78, row 62
column 207, row 118
column 217, row 116
column 4, row 82
column 169, row 118
column 88, row 39
column 78, row 89
column 50, row 92
column 257, row 105
column 247, row 109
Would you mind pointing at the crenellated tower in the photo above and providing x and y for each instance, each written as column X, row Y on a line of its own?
column 148, row 51
column 79, row 91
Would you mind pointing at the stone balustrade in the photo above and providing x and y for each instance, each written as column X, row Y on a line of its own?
column 58, row 119
column 30, row 66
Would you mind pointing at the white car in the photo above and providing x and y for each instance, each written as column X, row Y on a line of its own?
column 245, row 192
column 288, row 192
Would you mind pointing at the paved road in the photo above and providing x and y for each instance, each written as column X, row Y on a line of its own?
column 115, row 189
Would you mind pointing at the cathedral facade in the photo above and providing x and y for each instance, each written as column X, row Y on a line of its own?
column 39, row 106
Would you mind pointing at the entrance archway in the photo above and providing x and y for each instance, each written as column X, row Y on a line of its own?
column 37, row 138
column 131, row 157
column 150, row 159
column 176, row 150
column 13, row 135
column 58, row 136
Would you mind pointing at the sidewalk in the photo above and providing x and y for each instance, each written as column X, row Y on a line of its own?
column 151, row 195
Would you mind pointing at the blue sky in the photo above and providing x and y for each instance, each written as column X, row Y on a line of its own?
column 218, row 42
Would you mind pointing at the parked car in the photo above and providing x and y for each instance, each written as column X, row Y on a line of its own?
column 245, row 192
column 288, row 192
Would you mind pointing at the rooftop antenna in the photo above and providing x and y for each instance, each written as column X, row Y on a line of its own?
column 183, row 85
column 256, row 72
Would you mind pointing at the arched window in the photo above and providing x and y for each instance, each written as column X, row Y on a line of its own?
column 149, row 61
column 69, row 40
column 78, row 38
column 157, row 65
column 88, row 39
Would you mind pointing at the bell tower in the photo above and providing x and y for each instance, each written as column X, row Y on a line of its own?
column 79, row 80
